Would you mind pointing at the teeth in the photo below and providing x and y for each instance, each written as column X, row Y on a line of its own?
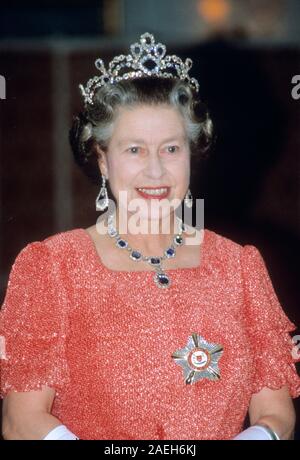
column 157, row 191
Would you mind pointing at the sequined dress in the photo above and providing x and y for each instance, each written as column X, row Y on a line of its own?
column 104, row 339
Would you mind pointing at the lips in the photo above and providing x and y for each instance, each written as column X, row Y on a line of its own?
column 153, row 192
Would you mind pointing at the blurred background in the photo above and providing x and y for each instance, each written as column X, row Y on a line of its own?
column 247, row 61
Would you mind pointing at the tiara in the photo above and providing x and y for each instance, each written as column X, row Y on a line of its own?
column 147, row 58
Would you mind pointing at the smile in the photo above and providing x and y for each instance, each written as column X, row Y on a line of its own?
column 154, row 192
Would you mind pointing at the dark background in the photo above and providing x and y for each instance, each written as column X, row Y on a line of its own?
column 250, row 182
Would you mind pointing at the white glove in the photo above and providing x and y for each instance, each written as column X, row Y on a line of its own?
column 60, row 433
column 257, row 433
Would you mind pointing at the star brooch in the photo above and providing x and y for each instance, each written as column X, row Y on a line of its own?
column 199, row 359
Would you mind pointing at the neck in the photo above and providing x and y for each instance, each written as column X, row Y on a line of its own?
column 151, row 237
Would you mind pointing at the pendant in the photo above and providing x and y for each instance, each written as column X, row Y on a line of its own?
column 161, row 279
column 199, row 359
column 102, row 200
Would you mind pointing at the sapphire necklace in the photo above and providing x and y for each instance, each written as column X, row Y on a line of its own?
column 161, row 279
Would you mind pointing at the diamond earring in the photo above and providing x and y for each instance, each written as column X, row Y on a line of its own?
column 188, row 199
column 102, row 198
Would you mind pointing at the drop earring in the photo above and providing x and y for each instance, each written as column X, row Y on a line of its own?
column 188, row 199
column 102, row 198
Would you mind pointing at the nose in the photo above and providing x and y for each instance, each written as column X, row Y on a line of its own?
column 154, row 168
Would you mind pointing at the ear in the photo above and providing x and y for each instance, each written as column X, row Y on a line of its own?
column 102, row 160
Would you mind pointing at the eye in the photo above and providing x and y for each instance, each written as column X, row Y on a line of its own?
column 172, row 148
column 133, row 149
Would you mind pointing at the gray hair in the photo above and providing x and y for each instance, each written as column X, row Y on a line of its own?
column 96, row 123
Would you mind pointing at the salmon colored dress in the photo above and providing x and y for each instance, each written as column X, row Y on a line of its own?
column 104, row 339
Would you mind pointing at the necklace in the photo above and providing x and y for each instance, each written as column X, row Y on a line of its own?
column 161, row 279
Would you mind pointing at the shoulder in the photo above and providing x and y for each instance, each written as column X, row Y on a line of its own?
column 222, row 246
column 53, row 248
column 221, row 241
column 62, row 242
column 231, row 255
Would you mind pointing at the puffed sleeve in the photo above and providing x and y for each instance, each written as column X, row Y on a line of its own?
column 274, row 351
column 33, row 324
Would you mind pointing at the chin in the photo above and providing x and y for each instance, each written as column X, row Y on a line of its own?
column 157, row 214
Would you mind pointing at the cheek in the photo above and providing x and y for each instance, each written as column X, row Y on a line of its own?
column 122, row 172
column 181, row 175
column 181, row 169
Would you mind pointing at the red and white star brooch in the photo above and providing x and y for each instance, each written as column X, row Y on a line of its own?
column 199, row 359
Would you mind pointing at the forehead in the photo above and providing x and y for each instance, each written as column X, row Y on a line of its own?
column 145, row 122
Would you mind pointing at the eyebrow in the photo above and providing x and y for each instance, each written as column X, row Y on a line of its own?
column 141, row 141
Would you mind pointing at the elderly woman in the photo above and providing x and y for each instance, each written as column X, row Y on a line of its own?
column 143, row 326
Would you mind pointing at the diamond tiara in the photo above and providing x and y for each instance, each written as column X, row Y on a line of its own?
column 147, row 58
